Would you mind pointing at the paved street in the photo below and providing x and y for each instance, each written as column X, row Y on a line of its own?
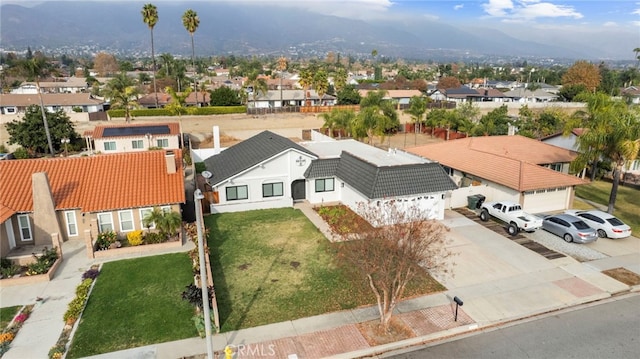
column 609, row 330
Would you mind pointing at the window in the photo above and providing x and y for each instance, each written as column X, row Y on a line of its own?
column 110, row 146
column 72, row 225
column 105, row 222
column 236, row 193
column 143, row 213
column 324, row 185
column 556, row 167
column 25, row 227
column 137, row 144
column 162, row 142
column 272, row 190
column 126, row 221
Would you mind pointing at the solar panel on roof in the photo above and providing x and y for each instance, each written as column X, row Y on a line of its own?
column 136, row 131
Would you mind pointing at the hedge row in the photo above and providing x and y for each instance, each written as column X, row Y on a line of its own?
column 211, row 110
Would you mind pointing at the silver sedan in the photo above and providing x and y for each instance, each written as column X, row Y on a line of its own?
column 570, row 228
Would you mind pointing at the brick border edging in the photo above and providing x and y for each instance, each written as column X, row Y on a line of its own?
column 31, row 279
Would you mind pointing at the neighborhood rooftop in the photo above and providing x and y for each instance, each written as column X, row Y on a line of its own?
column 376, row 156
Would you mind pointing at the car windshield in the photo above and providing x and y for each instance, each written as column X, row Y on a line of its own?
column 580, row 225
column 615, row 222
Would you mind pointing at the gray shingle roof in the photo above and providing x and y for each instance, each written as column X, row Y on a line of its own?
column 388, row 181
column 322, row 168
column 249, row 153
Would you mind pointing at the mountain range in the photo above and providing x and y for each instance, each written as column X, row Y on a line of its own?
column 253, row 28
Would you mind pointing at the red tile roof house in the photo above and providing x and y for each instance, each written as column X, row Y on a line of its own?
column 514, row 168
column 133, row 137
column 75, row 198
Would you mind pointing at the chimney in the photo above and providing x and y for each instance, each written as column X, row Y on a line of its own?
column 216, row 140
column 45, row 220
column 170, row 160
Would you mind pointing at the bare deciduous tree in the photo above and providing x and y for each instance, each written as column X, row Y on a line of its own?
column 401, row 243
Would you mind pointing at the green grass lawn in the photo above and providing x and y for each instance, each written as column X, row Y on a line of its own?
column 274, row 265
column 7, row 314
column 136, row 302
column 627, row 206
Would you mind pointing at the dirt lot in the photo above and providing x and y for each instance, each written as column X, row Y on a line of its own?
column 237, row 127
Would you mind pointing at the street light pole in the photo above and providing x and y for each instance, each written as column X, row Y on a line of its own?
column 65, row 141
column 198, row 196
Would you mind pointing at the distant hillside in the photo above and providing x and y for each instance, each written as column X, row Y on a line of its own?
column 247, row 28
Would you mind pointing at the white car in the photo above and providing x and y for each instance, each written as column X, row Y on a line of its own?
column 604, row 223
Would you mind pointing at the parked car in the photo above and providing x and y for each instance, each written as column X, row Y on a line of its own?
column 570, row 228
column 512, row 214
column 604, row 223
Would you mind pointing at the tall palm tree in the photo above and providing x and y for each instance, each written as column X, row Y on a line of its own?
column 191, row 22
column 321, row 84
column 282, row 65
column 122, row 92
column 259, row 86
column 150, row 17
column 35, row 68
column 306, row 79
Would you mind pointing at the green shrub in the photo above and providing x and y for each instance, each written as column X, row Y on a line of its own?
column 43, row 262
column 199, row 111
column 154, row 237
column 21, row 153
column 105, row 239
column 77, row 304
column 200, row 166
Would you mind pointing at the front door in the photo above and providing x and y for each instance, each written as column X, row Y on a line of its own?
column 298, row 190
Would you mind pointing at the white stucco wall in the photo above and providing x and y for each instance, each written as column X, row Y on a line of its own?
column 284, row 168
column 123, row 144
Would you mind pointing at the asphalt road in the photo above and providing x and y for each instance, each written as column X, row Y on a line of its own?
column 608, row 330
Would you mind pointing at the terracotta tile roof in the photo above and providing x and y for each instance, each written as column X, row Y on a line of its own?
column 511, row 161
column 96, row 183
column 5, row 213
column 98, row 131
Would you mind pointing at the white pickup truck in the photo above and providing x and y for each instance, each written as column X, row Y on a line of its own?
column 512, row 214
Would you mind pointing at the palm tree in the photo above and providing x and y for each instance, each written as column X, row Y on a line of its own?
column 258, row 85
column 122, row 93
column 338, row 119
column 306, row 79
column 177, row 106
column 321, row 84
column 377, row 116
column 613, row 132
column 282, row 65
column 150, row 17
column 417, row 108
column 35, row 68
column 166, row 222
column 191, row 22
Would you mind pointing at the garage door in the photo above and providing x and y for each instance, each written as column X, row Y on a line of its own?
column 541, row 201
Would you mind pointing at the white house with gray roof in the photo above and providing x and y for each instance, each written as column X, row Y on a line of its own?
column 270, row 171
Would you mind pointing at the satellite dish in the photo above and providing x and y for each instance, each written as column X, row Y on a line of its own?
column 206, row 174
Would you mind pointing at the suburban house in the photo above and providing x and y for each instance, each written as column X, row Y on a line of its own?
column 69, row 85
column 284, row 98
column 11, row 104
column 632, row 93
column 514, row 168
column 133, row 137
column 402, row 97
column 270, row 171
column 523, row 95
column 73, row 196
column 570, row 142
column 149, row 100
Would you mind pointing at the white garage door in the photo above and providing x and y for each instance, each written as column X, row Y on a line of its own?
column 541, row 201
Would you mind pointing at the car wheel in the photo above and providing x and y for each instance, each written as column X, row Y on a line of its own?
column 512, row 229
column 568, row 238
column 484, row 215
column 602, row 233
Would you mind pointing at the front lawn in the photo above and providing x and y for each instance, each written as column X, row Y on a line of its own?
column 627, row 206
column 136, row 302
column 6, row 316
column 274, row 265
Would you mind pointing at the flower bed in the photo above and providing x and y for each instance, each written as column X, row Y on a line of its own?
column 133, row 245
column 41, row 269
column 9, row 333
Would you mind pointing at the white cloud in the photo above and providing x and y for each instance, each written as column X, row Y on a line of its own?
column 610, row 24
column 458, row 7
column 635, row 23
column 528, row 10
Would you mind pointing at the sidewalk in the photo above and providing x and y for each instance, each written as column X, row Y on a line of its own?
column 498, row 280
